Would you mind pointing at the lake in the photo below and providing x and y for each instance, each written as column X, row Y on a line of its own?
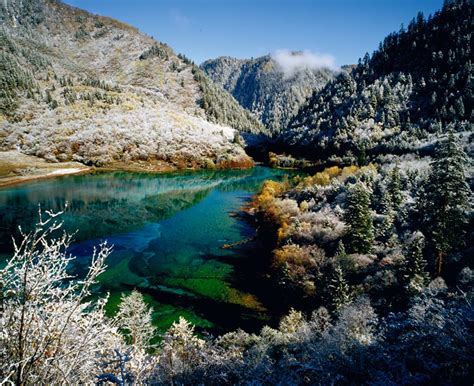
column 168, row 233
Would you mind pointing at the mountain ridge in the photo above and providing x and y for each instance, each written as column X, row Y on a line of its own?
column 261, row 86
column 417, row 85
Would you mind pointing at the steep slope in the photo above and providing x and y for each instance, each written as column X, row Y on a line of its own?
column 417, row 85
column 76, row 86
column 262, row 86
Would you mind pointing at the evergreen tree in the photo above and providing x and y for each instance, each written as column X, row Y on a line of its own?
column 386, row 229
column 358, row 218
column 339, row 289
column 445, row 200
column 49, row 98
column 415, row 276
column 341, row 250
column 394, row 188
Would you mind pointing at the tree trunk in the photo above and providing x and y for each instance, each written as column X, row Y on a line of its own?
column 439, row 263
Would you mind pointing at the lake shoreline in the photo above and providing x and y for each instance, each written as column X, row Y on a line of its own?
column 18, row 168
column 168, row 233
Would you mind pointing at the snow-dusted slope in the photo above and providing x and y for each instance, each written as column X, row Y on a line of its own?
column 402, row 99
column 266, row 89
column 77, row 86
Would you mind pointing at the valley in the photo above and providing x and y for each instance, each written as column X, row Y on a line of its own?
column 270, row 219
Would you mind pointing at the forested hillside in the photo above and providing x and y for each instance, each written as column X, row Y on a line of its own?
column 384, row 236
column 76, row 86
column 369, row 260
column 398, row 100
column 262, row 86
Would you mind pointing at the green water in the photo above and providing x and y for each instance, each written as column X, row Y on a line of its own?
column 168, row 232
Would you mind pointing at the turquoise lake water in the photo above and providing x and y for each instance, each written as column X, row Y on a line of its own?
column 168, row 233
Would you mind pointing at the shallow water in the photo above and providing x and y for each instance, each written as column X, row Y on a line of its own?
column 168, row 232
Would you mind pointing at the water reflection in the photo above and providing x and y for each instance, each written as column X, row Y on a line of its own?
column 167, row 231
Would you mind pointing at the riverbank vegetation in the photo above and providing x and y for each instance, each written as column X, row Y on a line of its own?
column 373, row 263
column 50, row 333
column 383, row 230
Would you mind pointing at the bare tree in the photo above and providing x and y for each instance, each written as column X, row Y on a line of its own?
column 49, row 331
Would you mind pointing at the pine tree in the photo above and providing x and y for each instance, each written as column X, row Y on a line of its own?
column 394, row 188
column 459, row 106
column 340, row 291
column 386, row 229
column 359, row 219
column 445, row 200
column 341, row 250
column 49, row 98
column 415, row 276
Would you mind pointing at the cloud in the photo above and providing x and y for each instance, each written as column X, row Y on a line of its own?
column 291, row 62
column 179, row 18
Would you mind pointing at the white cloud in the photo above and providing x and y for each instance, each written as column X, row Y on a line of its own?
column 179, row 18
column 291, row 62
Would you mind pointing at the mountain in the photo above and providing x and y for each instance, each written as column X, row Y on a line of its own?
column 417, row 85
column 265, row 88
column 77, row 86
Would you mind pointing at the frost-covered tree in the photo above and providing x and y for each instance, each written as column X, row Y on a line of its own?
column 340, row 250
column 386, row 228
column 394, row 188
column 340, row 293
column 415, row 276
column 50, row 333
column 291, row 322
column 134, row 320
column 320, row 320
column 445, row 200
column 181, row 351
column 360, row 232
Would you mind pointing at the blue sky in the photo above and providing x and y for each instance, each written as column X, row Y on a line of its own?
column 203, row 29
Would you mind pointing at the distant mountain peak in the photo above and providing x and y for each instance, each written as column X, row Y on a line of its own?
column 263, row 86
